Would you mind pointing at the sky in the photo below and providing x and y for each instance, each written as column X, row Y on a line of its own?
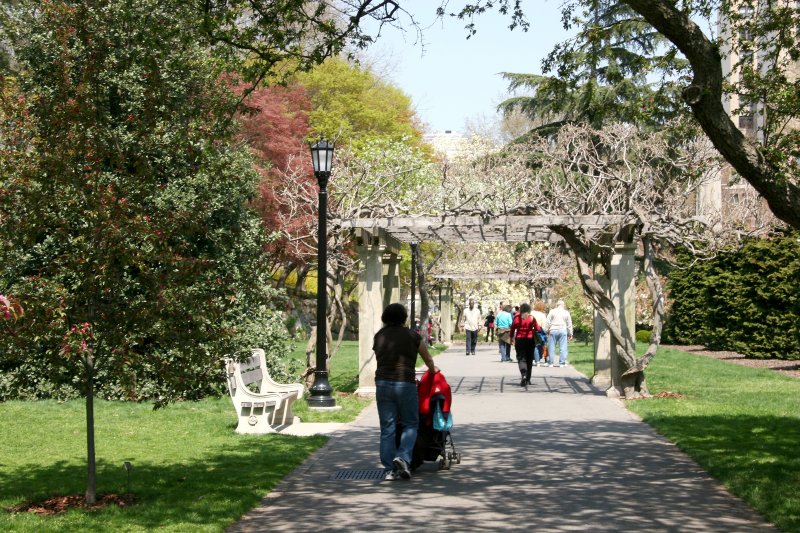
column 452, row 79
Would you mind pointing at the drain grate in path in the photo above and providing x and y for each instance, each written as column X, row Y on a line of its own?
column 359, row 475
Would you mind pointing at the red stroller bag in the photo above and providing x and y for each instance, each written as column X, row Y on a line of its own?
column 432, row 445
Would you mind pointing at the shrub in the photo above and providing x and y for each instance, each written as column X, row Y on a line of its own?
column 745, row 300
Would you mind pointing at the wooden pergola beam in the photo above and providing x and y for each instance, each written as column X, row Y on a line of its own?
column 473, row 228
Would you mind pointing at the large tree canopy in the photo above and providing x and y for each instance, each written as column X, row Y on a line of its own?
column 129, row 255
column 617, row 67
column 351, row 105
column 768, row 161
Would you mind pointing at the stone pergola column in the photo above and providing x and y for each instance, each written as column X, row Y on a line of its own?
column 620, row 287
column 370, row 306
column 623, row 294
column 447, row 313
column 391, row 278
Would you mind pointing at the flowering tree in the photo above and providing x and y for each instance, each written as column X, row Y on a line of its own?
column 379, row 179
column 648, row 180
column 652, row 179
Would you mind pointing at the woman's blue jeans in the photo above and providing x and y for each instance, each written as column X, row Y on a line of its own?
column 397, row 401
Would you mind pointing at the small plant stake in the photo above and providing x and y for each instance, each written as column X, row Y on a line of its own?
column 128, row 467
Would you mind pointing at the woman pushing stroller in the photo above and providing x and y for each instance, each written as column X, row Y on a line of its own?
column 396, row 348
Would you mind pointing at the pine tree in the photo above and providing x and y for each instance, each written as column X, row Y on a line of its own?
column 616, row 68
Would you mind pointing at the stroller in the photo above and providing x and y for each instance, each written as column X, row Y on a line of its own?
column 434, row 444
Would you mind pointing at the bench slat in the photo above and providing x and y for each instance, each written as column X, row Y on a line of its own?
column 252, row 376
column 252, row 362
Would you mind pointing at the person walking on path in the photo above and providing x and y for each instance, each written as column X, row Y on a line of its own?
column 523, row 337
column 559, row 333
column 541, row 319
column 489, row 324
column 472, row 324
column 502, row 324
column 396, row 348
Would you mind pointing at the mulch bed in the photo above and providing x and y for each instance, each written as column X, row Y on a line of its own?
column 787, row 368
column 59, row 504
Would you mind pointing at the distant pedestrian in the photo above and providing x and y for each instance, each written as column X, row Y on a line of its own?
column 541, row 319
column 523, row 337
column 489, row 325
column 472, row 324
column 396, row 348
column 502, row 324
column 559, row 333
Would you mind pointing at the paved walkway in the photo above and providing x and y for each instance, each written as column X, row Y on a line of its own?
column 557, row 456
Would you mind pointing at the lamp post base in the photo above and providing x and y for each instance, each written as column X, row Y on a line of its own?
column 321, row 392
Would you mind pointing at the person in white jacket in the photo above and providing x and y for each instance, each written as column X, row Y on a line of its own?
column 472, row 324
column 559, row 331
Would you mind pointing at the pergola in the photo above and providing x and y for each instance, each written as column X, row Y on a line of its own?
column 378, row 243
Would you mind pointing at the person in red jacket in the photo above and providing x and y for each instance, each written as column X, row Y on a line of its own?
column 523, row 337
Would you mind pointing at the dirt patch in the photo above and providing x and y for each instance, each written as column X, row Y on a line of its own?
column 669, row 394
column 59, row 504
column 787, row 368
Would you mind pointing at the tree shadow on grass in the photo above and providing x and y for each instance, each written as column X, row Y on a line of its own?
column 755, row 456
column 210, row 492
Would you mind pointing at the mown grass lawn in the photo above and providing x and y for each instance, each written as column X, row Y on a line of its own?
column 741, row 424
column 191, row 472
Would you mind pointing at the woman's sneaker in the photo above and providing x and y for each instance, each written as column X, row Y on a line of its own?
column 391, row 475
column 402, row 468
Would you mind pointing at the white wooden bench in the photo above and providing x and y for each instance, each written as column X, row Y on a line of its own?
column 262, row 405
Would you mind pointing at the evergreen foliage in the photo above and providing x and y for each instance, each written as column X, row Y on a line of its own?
column 745, row 300
column 126, row 235
column 616, row 68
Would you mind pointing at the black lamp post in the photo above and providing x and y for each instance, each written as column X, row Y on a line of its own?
column 322, row 158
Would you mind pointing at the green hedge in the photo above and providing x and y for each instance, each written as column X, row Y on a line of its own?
column 746, row 300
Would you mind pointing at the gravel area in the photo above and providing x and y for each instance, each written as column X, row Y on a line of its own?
column 787, row 368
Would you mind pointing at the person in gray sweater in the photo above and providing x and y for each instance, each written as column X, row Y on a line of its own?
column 559, row 332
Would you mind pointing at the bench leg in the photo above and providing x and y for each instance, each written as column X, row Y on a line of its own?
column 256, row 419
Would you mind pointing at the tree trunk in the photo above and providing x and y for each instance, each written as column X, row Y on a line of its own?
column 337, row 304
column 459, row 314
column 424, row 298
column 287, row 269
column 311, row 358
column 704, row 96
column 632, row 383
column 657, row 297
column 300, row 286
column 91, row 478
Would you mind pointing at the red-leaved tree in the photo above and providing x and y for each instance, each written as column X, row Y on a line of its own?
column 275, row 127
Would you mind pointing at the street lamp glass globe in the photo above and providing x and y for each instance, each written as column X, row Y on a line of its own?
column 322, row 156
